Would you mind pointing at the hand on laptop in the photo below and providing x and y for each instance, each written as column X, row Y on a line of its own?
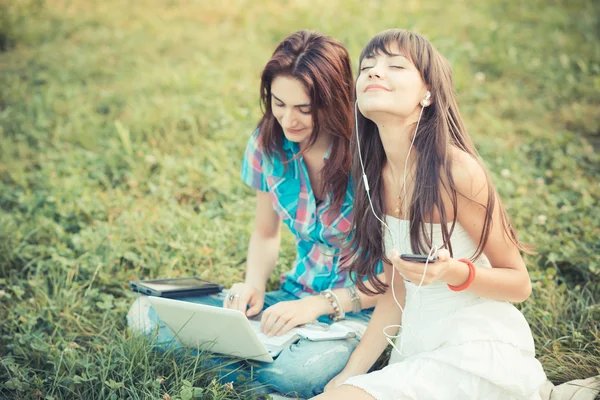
column 278, row 319
column 243, row 295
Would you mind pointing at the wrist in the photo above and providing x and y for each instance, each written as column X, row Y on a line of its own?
column 261, row 287
column 320, row 304
column 335, row 304
column 457, row 273
column 357, row 365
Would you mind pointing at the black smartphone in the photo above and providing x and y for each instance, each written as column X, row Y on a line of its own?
column 422, row 258
column 176, row 287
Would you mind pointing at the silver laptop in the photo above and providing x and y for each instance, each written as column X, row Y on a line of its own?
column 219, row 330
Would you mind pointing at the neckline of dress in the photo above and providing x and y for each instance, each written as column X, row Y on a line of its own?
column 407, row 221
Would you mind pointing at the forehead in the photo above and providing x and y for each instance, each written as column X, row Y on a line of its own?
column 289, row 90
column 389, row 49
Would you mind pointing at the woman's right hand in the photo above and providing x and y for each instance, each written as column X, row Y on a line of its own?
column 243, row 295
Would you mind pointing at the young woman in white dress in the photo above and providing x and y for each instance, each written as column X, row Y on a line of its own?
column 420, row 186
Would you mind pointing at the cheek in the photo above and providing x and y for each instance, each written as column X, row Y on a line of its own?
column 360, row 84
column 306, row 120
column 410, row 88
column 374, row 101
column 278, row 114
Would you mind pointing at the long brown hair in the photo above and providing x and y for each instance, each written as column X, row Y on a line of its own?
column 323, row 66
column 441, row 127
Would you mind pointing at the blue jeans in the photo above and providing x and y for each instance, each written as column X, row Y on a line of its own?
column 303, row 369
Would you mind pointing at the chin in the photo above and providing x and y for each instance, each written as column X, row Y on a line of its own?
column 385, row 109
column 297, row 138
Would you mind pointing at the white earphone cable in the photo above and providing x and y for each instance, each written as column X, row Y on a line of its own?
column 395, row 241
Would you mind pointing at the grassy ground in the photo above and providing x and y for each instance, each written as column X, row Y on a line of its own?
column 122, row 129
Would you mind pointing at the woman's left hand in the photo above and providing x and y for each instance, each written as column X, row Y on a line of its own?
column 278, row 319
column 413, row 271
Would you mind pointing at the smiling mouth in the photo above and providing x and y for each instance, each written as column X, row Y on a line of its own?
column 294, row 130
column 376, row 87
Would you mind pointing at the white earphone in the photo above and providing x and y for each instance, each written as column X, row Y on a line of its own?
column 395, row 241
column 425, row 102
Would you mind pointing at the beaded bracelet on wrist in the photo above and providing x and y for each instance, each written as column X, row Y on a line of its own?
column 338, row 310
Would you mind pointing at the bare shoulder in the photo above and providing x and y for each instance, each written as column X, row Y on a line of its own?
column 469, row 175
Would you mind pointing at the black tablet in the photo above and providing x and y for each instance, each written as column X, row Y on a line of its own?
column 176, row 287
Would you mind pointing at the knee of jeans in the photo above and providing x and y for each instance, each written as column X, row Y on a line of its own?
column 290, row 384
column 141, row 317
column 307, row 367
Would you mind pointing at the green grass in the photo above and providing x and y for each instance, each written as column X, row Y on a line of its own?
column 122, row 129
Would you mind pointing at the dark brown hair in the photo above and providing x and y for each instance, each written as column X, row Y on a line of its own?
column 323, row 66
column 441, row 127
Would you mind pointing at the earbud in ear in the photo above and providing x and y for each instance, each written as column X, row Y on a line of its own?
column 425, row 102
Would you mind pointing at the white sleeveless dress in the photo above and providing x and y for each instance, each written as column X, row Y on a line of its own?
column 455, row 345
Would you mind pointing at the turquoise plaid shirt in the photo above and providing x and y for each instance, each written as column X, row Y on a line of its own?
column 318, row 235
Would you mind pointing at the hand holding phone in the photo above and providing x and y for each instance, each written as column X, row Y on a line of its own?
column 421, row 270
column 421, row 258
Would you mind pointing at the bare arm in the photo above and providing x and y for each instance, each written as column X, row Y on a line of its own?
column 264, row 243
column 263, row 251
column 262, row 256
column 508, row 280
column 366, row 301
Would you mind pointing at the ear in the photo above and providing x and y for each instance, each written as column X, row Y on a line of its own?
column 426, row 100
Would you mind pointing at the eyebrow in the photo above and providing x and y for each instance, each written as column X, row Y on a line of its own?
column 389, row 55
column 281, row 101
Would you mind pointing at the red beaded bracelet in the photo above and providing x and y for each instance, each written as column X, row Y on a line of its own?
column 469, row 279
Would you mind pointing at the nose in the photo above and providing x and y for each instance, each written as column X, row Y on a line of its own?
column 288, row 120
column 376, row 71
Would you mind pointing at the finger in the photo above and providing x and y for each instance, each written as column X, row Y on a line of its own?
column 420, row 277
column 270, row 324
column 235, row 288
column 233, row 304
column 243, row 302
column 413, row 277
column 267, row 319
column 405, row 267
column 284, row 326
column 397, row 263
column 443, row 255
column 410, row 278
column 226, row 302
column 254, row 308
column 276, row 323
column 413, row 268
